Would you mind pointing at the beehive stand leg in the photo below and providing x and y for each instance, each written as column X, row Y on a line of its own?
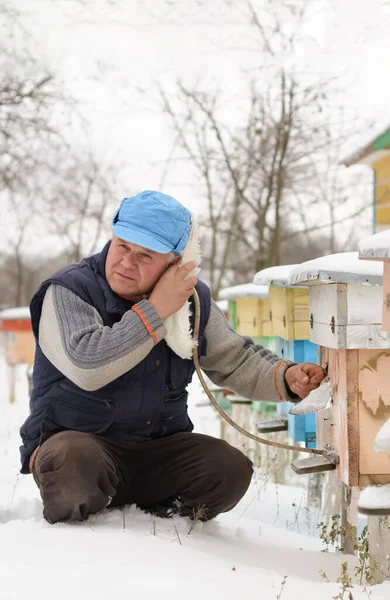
column 349, row 517
column 331, row 499
column 314, row 490
column 241, row 414
column 379, row 546
column 11, row 383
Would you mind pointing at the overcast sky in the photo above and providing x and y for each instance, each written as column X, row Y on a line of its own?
column 110, row 54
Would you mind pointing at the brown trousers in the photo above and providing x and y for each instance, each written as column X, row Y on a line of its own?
column 79, row 474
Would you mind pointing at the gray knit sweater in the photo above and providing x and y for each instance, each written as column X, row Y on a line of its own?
column 74, row 339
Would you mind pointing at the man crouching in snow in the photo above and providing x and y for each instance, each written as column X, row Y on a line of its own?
column 109, row 422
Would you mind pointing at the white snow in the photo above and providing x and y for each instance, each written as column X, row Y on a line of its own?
column 123, row 554
column 19, row 312
column 382, row 440
column 246, row 290
column 342, row 268
column 223, row 305
column 279, row 275
column 375, row 246
column 375, row 497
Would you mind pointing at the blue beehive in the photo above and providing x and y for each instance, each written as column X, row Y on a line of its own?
column 291, row 319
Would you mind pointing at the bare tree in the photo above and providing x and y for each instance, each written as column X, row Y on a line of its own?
column 49, row 188
column 262, row 177
column 79, row 199
column 29, row 100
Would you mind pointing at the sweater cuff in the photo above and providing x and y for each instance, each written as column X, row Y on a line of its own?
column 150, row 318
column 282, row 389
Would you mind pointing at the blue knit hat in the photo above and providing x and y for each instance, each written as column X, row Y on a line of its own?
column 153, row 220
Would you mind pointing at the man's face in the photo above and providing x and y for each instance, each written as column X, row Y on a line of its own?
column 132, row 270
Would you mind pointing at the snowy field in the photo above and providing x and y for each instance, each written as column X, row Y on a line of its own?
column 125, row 554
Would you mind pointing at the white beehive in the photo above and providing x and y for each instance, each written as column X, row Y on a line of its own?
column 345, row 301
column 377, row 248
column 345, row 321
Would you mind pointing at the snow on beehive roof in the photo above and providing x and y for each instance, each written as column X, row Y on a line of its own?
column 375, row 246
column 19, row 312
column 278, row 275
column 246, row 290
column 223, row 305
column 337, row 268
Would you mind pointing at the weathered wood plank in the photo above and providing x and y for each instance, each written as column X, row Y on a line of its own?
column 347, row 316
column 361, row 405
column 379, row 544
column 314, row 464
column 271, row 425
column 338, row 425
column 349, row 413
column 374, row 409
column 346, row 304
column 349, row 336
column 349, row 518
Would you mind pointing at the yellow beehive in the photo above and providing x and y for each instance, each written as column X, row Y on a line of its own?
column 253, row 317
column 288, row 305
column 376, row 154
column 252, row 312
column 289, row 311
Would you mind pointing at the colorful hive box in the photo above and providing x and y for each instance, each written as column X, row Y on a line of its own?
column 290, row 319
column 17, row 336
column 248, row 310
column 377, row 247
column 248, row 314
column 358, row 374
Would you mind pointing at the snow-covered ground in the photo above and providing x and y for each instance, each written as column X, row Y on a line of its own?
column 125, row 554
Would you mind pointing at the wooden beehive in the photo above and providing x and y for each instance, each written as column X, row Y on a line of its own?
column 290, row 320
column 376, row 154
column 289, row 306
column 361, row 405
column 253, row 317
column 357, row 358
column 289, row 312
column 344, row 315
column 17, row 336
column 377, row 248
column 250, row 313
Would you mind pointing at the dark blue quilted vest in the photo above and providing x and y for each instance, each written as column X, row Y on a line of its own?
column 148, row 401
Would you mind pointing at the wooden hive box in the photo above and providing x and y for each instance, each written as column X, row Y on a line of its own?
column 358, row 365
column 377, row 248
column 361, row 405
column 344, row 301
column 289, row 306
column 248, row 310
column 376, row 154
column 301, row 428
column 19, row 342
column 289, row 312
column 253, row 317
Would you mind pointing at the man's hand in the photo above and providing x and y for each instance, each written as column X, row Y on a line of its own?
column 302, row 379
column 173, row 289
